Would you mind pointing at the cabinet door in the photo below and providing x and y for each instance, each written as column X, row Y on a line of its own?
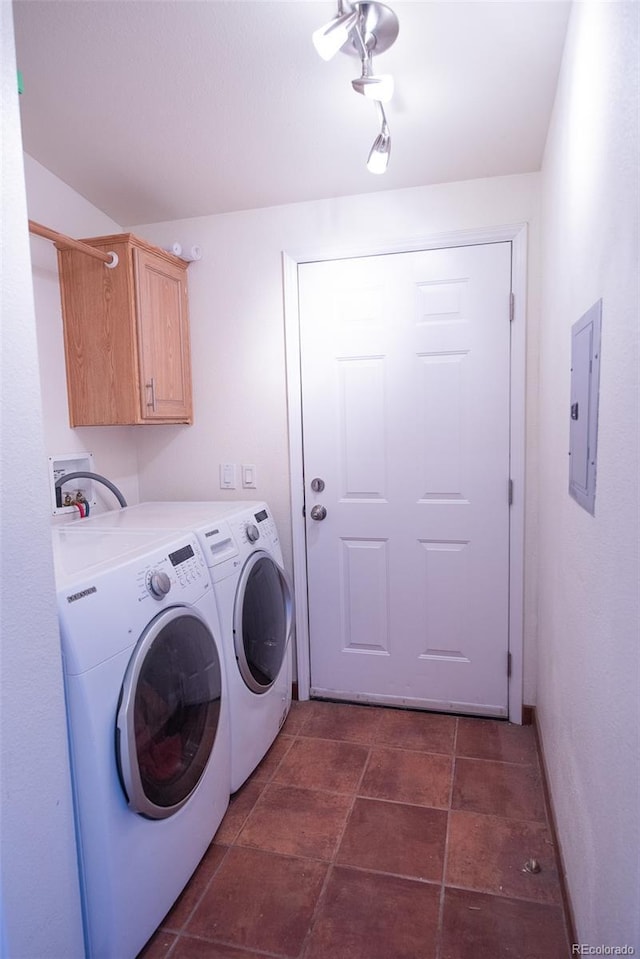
column 100, row 340
column 163, row 339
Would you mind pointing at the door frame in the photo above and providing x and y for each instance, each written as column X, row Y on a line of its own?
column 517, row 235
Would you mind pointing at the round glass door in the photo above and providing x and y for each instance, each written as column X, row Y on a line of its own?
column 168, row 712
column 262, row 621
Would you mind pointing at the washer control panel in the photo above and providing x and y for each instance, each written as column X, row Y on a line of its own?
column 182, row 570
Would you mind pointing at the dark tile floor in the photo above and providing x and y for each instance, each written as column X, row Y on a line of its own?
column 374, row 833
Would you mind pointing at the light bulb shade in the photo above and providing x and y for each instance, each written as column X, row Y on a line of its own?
column 375, row 87
column 379, row 155
column 333, row 35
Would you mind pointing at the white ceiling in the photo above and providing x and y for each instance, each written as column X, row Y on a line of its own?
column 163, row 109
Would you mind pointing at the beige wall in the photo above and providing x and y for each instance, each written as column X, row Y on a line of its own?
column 238, row 334
column 588, row 666
column 39, row 893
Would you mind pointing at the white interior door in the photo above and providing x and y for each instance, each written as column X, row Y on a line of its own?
column 405, row 406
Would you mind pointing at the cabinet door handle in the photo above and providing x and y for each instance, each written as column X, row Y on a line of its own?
column 152, row 386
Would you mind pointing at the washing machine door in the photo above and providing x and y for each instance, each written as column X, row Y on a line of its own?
column 262, row 621
column 168, row 712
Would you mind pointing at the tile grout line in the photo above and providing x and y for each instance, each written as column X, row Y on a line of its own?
column 502, row 762
column 248, row 950
column 512, row 897
column 173, row 945
column 440, row 927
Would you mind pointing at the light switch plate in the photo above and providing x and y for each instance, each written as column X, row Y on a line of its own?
column 248, row 476
column 227, row 475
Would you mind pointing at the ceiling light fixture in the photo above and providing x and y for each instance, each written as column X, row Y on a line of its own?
column 362, row 29
column 333, row 35
column 378, row 160
column 375, row 87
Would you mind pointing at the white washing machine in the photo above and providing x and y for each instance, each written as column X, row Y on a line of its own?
column 255, row 604
column 148, row 721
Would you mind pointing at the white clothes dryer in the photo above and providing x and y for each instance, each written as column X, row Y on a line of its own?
column 148, row 722
column 240, row 543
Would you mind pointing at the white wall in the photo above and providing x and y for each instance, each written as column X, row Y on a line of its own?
column 56, row 205
column 39, row 896
column 237, row 333
column 588, row 689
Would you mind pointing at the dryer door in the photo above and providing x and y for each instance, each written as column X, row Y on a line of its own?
column 262, row 621
column 168, row 712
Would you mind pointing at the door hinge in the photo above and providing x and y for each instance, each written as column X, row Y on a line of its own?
column 510, row 492
column 512, row 307
column 508, row 664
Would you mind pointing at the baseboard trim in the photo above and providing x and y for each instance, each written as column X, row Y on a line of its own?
column 528, row 718
column 566, row 898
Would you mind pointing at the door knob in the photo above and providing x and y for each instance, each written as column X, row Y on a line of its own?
column 318, row 512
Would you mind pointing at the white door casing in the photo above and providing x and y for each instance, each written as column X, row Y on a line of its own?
column 433, row 359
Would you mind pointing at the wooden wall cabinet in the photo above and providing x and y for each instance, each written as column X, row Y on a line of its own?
column 126, row 334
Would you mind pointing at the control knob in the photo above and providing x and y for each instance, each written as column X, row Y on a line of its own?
column 158, row 583
column 253, row 533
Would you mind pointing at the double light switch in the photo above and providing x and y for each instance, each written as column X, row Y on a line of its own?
column 228, row 476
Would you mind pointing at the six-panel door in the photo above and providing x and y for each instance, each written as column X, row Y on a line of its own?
column 405, row 391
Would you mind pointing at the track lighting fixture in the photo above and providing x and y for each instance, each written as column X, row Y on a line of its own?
column 372, row 86
column 362, row 29
column 379, row 154
column 328, row 39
